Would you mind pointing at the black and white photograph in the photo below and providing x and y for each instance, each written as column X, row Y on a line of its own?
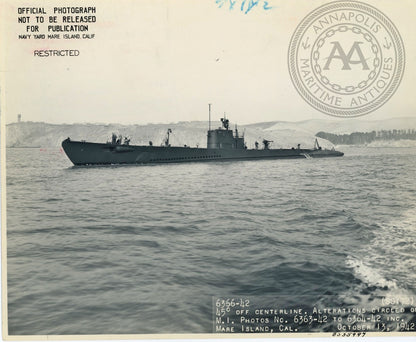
column 208, row 169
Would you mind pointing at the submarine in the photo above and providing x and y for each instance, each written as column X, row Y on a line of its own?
column 223, row 144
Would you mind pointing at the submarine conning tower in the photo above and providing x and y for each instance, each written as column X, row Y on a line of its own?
column 224, row 138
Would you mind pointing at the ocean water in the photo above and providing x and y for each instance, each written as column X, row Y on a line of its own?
column 143, row 249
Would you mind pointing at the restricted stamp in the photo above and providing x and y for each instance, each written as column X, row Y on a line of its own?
column 346, row 58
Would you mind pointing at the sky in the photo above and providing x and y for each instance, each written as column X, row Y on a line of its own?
column 160, row 61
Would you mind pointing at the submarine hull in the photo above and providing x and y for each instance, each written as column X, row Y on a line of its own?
column 88, row 153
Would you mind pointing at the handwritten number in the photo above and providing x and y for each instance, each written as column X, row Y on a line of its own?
column 251, row 4
column 246, row 5
column 266, row 6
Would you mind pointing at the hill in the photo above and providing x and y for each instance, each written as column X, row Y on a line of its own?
column 284, row 134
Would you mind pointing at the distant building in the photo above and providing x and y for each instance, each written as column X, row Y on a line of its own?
column 19, row 117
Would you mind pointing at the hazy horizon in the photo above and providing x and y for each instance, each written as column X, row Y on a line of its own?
column 215, row 122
